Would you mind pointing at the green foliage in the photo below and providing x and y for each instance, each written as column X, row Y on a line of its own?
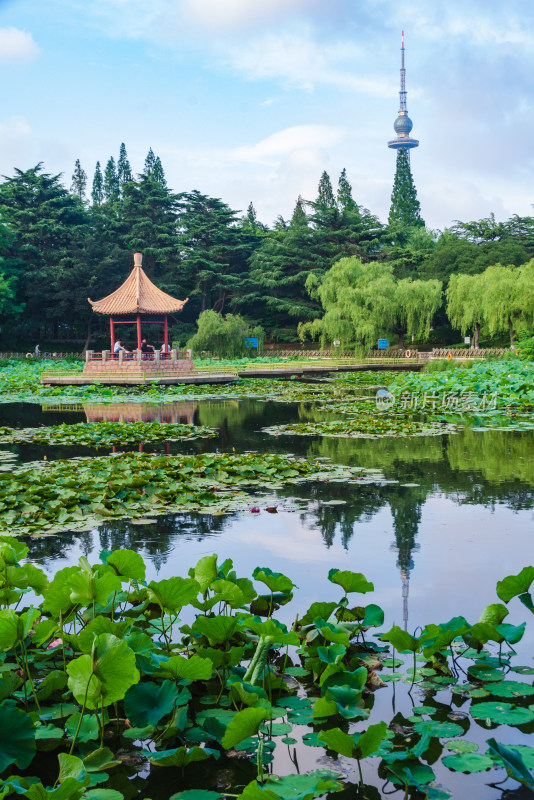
column 97, row 191
column 224, row 336
column 363, row 302
column 79, row 181
column 105, row 434
column 74, row 494
column 464, row 306
column 405, row 210
column 186, row 689
column 508, row 298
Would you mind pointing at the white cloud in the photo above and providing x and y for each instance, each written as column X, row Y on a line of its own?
column 300, row 58
column 290, row 140
column 17, row 46
column 232, row 15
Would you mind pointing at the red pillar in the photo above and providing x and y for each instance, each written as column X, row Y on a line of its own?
column 165, row 337
column 112, row 333
column 138, row 332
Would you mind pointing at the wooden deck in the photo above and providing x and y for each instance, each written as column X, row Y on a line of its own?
column 214, row 375
column 79, row 379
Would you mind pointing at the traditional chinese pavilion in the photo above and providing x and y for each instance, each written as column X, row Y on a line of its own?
column 140, row 302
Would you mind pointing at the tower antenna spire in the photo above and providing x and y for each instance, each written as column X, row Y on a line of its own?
column 403, row 124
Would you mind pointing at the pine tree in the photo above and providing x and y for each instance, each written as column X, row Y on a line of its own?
column 79, row 181
column 124, row 171
column 325, row 196
column 157, row 173
column 251, row 217
column 97, row 192
column 150, row 163
column 359, row 232
column 405, row 208
column 326, row 221
column 280, row 267
column 111, row 182
column 51, row 229
column 344, row 193
column 299, row 217
column 215, row 251
column 149, row 220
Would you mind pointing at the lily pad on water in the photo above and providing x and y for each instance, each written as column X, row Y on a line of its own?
column 78, row 493
column 105, row 434
column 502, row 713
column 468, row 762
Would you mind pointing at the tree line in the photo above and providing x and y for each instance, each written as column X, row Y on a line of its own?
column 59, row 246
column 364, row 302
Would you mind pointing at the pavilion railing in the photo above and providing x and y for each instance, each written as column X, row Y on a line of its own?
column 136, row 356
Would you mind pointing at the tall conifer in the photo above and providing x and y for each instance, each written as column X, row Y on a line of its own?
column 344, row 193
column 405, row 208
column 111, row 182
column 157, row 173
column 150, row 162
column 97, row 192
column 124, row 171
column 79, row 181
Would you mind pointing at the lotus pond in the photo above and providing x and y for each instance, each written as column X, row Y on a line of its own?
column 360, row 633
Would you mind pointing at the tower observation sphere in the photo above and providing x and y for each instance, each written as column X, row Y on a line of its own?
column 403, row 124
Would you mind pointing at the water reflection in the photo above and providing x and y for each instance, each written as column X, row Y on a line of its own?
column 182, row 413
column 453, row 495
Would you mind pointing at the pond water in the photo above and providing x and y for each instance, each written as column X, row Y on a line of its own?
column 456, row 517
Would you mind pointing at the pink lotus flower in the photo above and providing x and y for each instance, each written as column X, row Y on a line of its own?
column 54, row 643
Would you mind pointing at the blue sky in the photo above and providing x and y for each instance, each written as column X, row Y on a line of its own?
column 252, row 99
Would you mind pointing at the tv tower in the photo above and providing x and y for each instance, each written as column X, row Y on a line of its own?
column 403, row 124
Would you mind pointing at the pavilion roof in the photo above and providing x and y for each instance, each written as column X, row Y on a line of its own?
column 137, row 295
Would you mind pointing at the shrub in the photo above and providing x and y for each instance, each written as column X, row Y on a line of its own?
column 224, row 336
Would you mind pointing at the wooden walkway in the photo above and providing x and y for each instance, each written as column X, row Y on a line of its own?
column 218, row 376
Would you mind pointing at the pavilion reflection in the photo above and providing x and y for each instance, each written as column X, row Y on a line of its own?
column 180, row 412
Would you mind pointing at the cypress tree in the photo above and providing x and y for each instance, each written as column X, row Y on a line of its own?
column 251, row 217
column 299, row 217
column 97, row 192
column 344, row 193
column 149, row 221
column 215, row 251
column 124, row 171
column 79, row 181
column 158, row 173
column 405, row 208
column 50, row 228
column 111, row 182
column 359, row 232
column 325, row 193
column 280, row 268
column 150, row 163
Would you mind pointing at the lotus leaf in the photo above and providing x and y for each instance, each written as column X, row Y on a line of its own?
column 502, row 713
column 513, row 763
column 17, row 738
column 147, row 702
column 105, row 676
column 468, row 762
column 244, row 724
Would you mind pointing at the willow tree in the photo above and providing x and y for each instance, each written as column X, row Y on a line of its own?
column 363, row 302
column 508, row 298
column 464, row 303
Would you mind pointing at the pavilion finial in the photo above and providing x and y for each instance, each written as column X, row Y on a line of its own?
column 138, row 259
